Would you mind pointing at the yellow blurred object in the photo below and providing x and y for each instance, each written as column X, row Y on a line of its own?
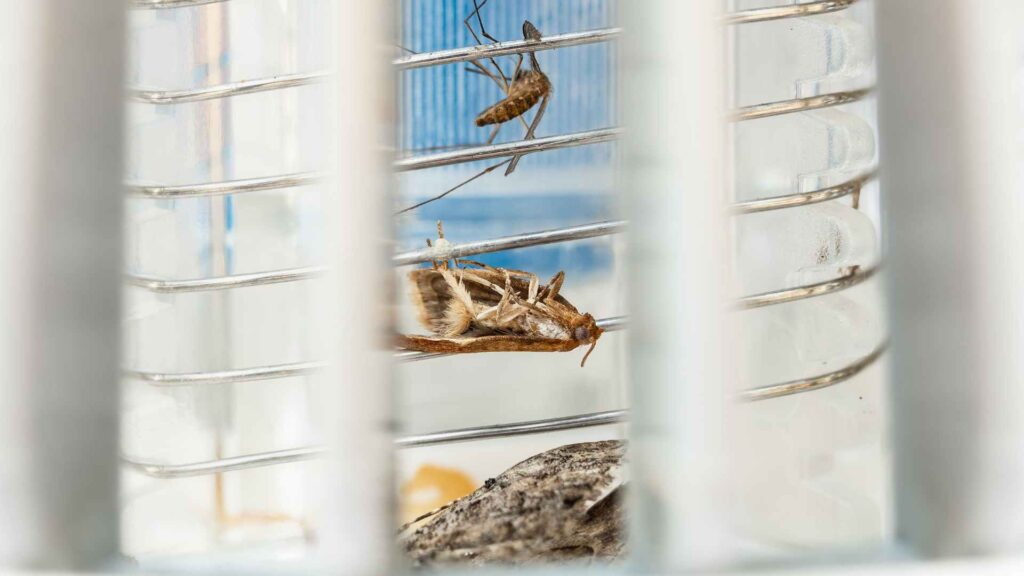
column 432, row 487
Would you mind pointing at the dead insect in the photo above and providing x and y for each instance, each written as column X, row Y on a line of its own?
column 523, row 90
column 563, row 504
column 485, row 309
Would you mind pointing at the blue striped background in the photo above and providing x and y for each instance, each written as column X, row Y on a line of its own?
column 438, row 105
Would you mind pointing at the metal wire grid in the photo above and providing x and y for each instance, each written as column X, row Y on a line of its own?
column 851, row 278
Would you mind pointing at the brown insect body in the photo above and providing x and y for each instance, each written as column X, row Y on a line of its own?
column 486, row 309
column 528, row 88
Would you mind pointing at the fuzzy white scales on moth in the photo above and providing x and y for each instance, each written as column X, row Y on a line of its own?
column 472, row 307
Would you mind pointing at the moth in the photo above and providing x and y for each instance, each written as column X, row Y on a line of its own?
column 560, row 505
column 485, row 309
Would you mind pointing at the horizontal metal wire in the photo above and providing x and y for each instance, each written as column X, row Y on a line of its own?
column 816, row 382
column 227, row 376
column 162, row 286
column 406, row 164
column 787, row 11
column 227, row 186
column 852, row 278
column 405, row 258
column 576, row 421
column 507, row 149
column 449, row 56
column 311, row 452
column 513, row 429
column 851, row 186
column 480, row 247
column 290, row 370
column 225, row 90
column 222, row 465
column 480, row 51
column 797, row 105
column 510, row 242
column 464, row 54
column 475, row 153
column 856, row 276
column 158, row 4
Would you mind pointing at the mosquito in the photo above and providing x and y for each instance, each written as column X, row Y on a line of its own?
column 524, row 89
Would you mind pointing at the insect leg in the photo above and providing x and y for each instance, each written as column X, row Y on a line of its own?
column 480, row 21
column 473, row 70
column 528, row 276
column 551, row 290
column 494, row 133
column 504, row 83
column 454, row 188
column 504, row 299
column 519, row 64
column 529, row 133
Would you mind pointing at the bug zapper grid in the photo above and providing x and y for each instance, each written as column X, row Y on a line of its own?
column 585, row 211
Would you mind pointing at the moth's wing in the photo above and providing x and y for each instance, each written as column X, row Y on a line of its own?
column 490, row 343
column 431, row 295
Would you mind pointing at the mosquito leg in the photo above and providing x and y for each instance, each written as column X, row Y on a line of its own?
column 454, row 188
column 494, row 134
column 480, row 20
column 519, row 64
column 529, row 134
column 476, row 71
column 503, row 82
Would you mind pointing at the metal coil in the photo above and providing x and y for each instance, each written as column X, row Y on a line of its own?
column 162, row 4
column 787, row 11
column 575, row 421
column 854, row 277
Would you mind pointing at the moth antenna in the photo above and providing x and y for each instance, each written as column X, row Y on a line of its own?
column 587, row 355
column 431, row 245
column 440, row 230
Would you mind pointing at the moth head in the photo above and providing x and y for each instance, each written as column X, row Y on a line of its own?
column 586, row 330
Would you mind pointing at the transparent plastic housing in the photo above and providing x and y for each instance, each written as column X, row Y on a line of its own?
column 268, row 510
column 812, row 467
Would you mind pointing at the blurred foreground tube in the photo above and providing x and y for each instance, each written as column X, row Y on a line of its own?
column 359, row 525
column 951, row 121
column 674, row 143
column 60, row 257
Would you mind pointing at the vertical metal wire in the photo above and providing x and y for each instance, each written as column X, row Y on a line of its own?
column 673, row 100
column 950, row 97
column 60, row 250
